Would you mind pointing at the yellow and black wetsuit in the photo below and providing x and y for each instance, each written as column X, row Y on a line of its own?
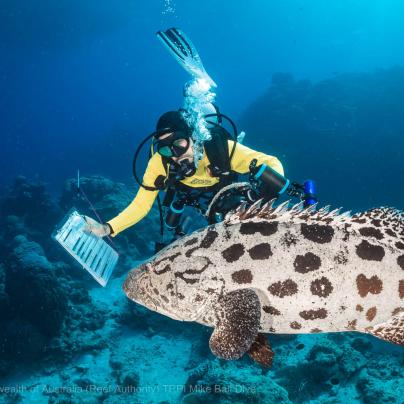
column 142, row 203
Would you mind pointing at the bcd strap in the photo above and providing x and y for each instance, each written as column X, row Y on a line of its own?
column 217, row 151
column 160, row 182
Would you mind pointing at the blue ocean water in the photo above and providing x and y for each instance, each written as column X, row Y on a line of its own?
column 318, row 84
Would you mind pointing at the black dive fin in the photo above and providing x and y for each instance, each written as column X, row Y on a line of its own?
column 184, row 52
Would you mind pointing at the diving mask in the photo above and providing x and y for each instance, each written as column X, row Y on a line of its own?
column 173, row 146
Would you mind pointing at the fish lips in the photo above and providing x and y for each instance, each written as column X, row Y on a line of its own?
column 133, row 280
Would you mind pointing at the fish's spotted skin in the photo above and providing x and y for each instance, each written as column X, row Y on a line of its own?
column 312, row 271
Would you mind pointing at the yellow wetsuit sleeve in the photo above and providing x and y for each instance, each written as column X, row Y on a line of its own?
column 243, row 156
column 143, row 201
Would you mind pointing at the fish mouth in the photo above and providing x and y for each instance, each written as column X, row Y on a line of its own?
column 136, row 288
column 134, row 280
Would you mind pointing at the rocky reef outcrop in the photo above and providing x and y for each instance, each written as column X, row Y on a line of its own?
column 345, row 132
column 45, row 307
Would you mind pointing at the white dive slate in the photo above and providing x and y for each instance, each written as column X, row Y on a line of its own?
column 92, row 252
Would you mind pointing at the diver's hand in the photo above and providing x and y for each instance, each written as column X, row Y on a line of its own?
column 98, row 229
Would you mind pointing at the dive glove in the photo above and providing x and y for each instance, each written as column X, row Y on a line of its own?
column 98, row 229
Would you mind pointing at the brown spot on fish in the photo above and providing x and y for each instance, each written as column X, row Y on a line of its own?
column 154, row 301
column 194, row 263
column 343, row 308
column 400, row 245
column 272, row 329
column 165, row 298
column 346, row 232
column 282, row 289
column 371, row 313
column 188, row 253
column 317, row 233
column 359, row 307
column 271, row 310
column 352, row 324
column 198, row 298
column 313, row 314
column 164, row 270
column 264, row 228
column 180, row 296
column 242, row 276
column 315, row 330
column 233, row 253
column 369, row 252
column 397, row 310
column 156, row 292
column 260, row 252
column 170, row 258
column 341, row 258
column 360, row 221
column 391, row 233
column 306, row 263
column 295, row 325
column 209, row 239
column 321, row 287
column 289, row 239
column 371, row 232
column 365, row 285
column 191, row 241
column 401, row 289
column 376, row 222
column 400, row 261
column 186, row 280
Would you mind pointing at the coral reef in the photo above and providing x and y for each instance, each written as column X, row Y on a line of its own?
column 34, row 291
column 27, row 207
column 42, row 302
column 216, row 382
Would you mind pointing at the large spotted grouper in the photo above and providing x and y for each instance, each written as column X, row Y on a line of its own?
column 281, row 270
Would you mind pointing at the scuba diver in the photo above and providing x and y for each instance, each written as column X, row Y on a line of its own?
column 194, row 169
column 172, row 168
column 196, row 161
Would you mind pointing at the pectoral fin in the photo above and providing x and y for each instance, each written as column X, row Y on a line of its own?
column 238, row 318
column 260, row 351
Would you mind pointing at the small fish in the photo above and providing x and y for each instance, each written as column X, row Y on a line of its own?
column 288, row 270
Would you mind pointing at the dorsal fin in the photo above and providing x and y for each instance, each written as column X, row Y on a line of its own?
column 382, row 213
column 384, row 217
column 285, row 212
